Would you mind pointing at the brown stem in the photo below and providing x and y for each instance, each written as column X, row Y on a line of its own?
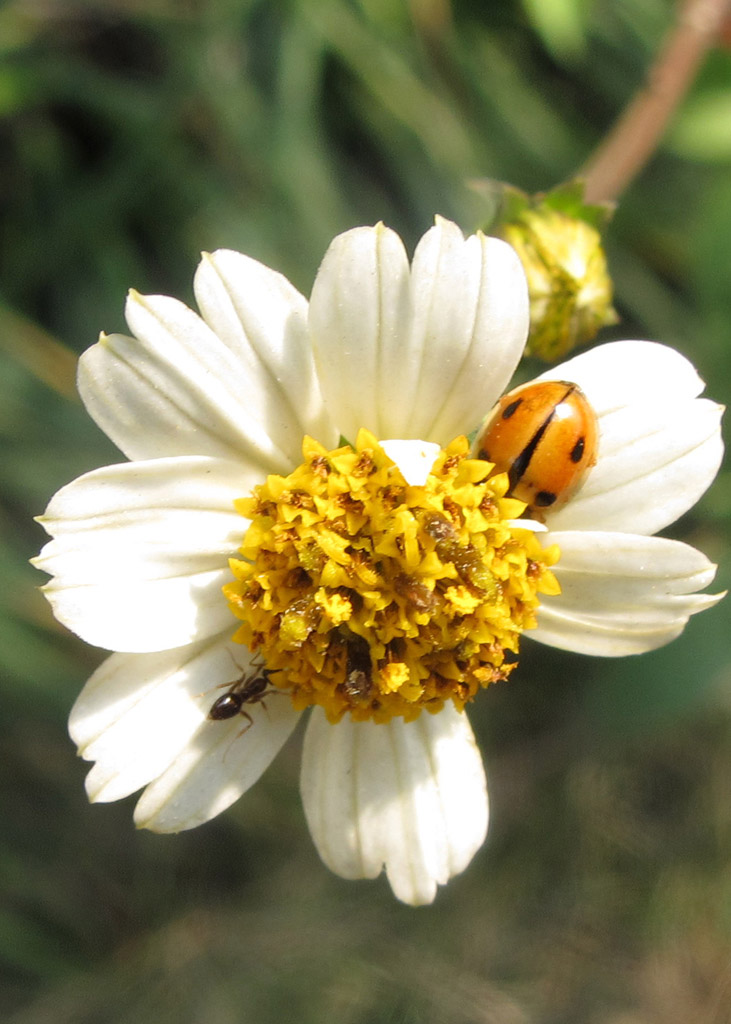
column 632, row 140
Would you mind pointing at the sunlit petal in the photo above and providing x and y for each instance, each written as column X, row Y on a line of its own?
column 140, row 551
column 622, row 594
column 408, row 797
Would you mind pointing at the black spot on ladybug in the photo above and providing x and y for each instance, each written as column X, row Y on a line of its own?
column 545, row 498
column 577, row 452
column 511, row 409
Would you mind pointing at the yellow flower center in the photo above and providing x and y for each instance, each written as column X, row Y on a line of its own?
column 368, row 595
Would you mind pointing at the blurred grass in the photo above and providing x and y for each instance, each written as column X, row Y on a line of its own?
column 133, row 135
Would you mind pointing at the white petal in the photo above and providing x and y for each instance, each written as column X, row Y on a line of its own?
column 138, row 711
column 220, row 762
column 262, row 319
column 655, row 461
column 141, row 551
column 177, row 389
column 422, row 355
column 659, row 448
column 410, row 797
column 629, row 371
column 622, row 594
column 358, row 319
column 413, row 458
column 470, row 322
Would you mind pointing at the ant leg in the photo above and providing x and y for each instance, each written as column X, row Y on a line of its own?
column 247, row 726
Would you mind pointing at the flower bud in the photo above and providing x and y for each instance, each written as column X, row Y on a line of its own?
column 568, row 281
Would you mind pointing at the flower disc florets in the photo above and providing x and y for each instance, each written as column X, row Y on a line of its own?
column 368, row 595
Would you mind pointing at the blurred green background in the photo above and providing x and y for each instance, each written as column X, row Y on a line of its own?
column 133, row 134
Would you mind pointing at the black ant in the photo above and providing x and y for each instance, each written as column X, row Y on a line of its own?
column 251, row 690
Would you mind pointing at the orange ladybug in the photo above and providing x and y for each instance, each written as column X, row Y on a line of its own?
column 544, row 436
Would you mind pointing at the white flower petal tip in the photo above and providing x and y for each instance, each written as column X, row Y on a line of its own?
column 176, row 386
column 262, row 319
column 623, row 594
column 126, row 576
column 380, row 329
column 660, row 445
column 642, row 369
column 142, row 717
column 410, row 798
column 413, row 458
column 216, row 767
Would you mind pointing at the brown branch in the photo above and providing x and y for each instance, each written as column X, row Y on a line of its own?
column 632, row 140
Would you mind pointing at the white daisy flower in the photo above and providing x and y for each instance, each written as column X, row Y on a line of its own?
column 244, row 565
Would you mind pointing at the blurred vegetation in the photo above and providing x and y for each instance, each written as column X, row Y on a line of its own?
column 134, row 134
